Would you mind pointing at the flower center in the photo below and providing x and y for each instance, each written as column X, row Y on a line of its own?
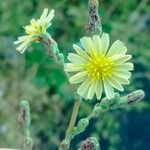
column 33, row 28
column 100, row 67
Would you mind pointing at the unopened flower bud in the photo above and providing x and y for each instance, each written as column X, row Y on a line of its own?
column 132, row 98
column 90, row 143
column 82, row 124
column 94, row 22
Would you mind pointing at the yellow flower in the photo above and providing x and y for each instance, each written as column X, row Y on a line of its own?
column 35, row 30
column 98, row 68
column 39, row 26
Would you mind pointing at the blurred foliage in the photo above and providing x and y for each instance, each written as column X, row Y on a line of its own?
column 34, row 77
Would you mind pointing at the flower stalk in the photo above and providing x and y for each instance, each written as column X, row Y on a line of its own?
column 116, row 103
column 53, row 52
column 24, row 121
column 65, row 144
column 73, row 118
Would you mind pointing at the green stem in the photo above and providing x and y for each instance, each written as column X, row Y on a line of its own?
column 90, row 116
column 54, row 53
column 73, row 118
column 65, row 144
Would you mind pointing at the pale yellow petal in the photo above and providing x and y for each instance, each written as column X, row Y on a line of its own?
column 97, row 43
column 87, row 44
column 99, row 89
column 109, row 91
column 84, row 44
column 120, row 80
column 105, row 42
column 115, row 84
column 44, row 15
column 123, row 74
column 119, row 59
column 50, row 16
column 92, row 90
column 90, row 45
column 83, row 88
column 71, row 67
column 118, row 47
column 79, row 77
column 76, row 58
column 125, row 66
column 23, row 46
column 81, row 52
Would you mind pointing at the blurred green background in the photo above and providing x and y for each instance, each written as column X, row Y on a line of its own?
column 32, row 76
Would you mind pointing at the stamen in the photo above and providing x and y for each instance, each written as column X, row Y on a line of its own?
column 100, row 67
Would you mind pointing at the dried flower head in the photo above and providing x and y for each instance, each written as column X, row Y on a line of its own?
column 99, row 68
column 35, row 30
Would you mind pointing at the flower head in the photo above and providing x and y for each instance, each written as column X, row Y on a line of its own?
column 35, row 30
column 98, row 68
